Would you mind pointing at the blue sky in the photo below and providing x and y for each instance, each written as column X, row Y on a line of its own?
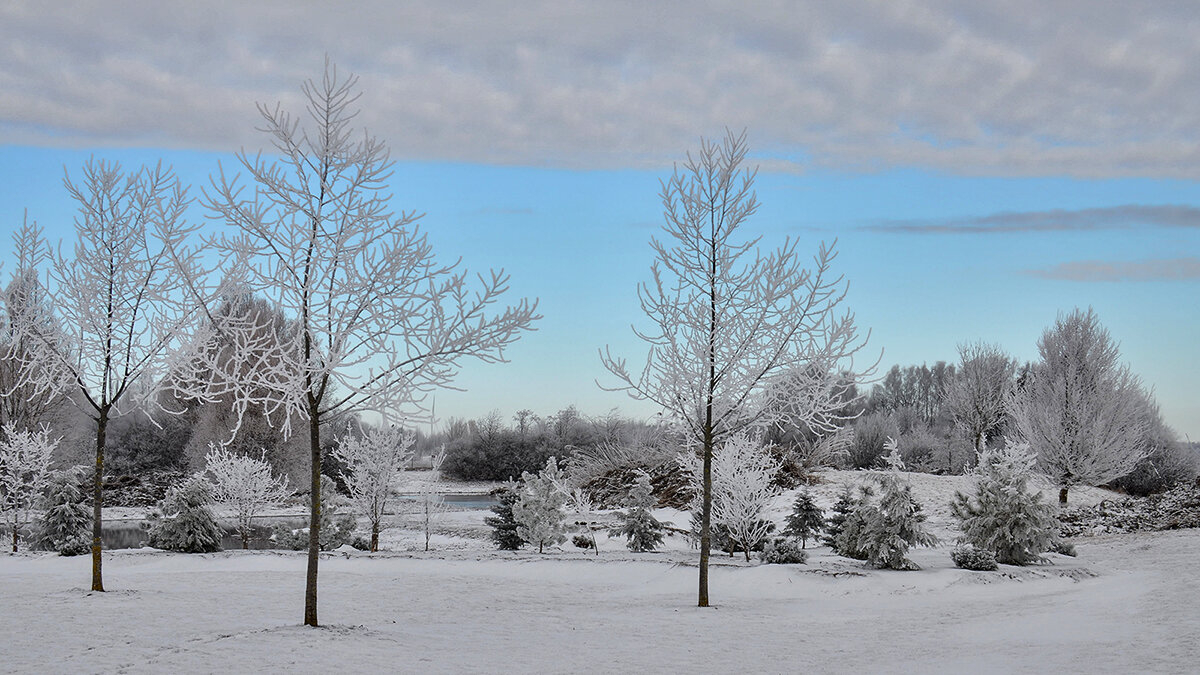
column 980, row 172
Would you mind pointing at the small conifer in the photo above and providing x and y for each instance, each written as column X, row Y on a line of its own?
column 806, row 519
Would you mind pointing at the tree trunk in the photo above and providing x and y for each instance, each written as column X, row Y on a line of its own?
column 97, row 502
column 705, row 520
column 746, row 548
column 14, row 538
column 245, row 539
column 375, row 537
column 314, row 520
column 1062, row 496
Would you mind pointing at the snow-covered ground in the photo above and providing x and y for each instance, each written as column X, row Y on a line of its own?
column 1126, row 604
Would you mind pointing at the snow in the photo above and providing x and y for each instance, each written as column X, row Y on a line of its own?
column 1125, row 604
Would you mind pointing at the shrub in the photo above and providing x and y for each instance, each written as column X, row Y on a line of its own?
column 1063, row 547
column 870, row 433
column 503, row 524
column 501, row 456
column 183, row 522
column 970, row 558
column 582, row 541
column 1005, row 517
column 783, row 551
column 538, row 509
column 1168, row 464
column 65, row 526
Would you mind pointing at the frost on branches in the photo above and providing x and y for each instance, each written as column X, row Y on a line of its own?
column 738, row 338
column 1004, row 516
column 539, row 509
column 378, row 322
column 183, row 520
column 126, row 295
column 1082, row 412
column 65, row 523
column 24, row 474
column 742, row 489
column 245, row 485
column 374, row 461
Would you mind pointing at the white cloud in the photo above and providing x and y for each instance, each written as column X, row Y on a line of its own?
column 1174, row 269
column 1029, row 87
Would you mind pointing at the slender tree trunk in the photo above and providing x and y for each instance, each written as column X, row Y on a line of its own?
column 1062, row 496
column 14, row 538
column 375, row 537
column 245, row 538
column 705, row 520
column 314, row 520
column 97, row 502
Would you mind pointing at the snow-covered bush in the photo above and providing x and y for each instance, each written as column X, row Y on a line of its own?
column 641, row 529
column 538, row 510
column 503, row 524
column 893, row 525
column 805, row 520
column 1063, row 547
column 65, row 525
column 336, row 529
column 743, row 473
column 374, row 464
column 24, row 474
column 968, row 557
column 183, row 522
column 1004, row 516
column 583, row 541
column 245, row 485
column 783, row 551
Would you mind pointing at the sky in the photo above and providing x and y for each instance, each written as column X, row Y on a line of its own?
column 982, row 168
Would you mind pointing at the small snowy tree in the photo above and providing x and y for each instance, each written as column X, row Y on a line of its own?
column 245, row 485
column 842, row 508
column 641, row 529
column 538, row 511
column 977, row 394
column 431, row 503
column 183, row 520
column 806, row 518
column 504, row 525
column 67, row 519
column 24, row 474
column 896, row 523
column 742, row 477
column 374, row 462
column 1005, row 517
column 1079, row 409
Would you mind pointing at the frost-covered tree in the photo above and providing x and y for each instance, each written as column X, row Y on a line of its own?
column 25, row 458
column 1005, row 516
column 729, row 324
column 26, row 311
column 503, row 524
column 183, row 520
column 539, row 507
column 374, row 461
column 1080, row 410
column 378, row 321
column 66, row 519
column 892, row 526
column 245, row 485
column 806, row 519
column 743, row 472
column 978, row 391
column 843, row 508
column 125, row 296
column 642, row 531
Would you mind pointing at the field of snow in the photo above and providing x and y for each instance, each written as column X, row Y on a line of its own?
column 1126, row 604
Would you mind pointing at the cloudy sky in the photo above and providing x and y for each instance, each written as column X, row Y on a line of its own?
column 981, row 168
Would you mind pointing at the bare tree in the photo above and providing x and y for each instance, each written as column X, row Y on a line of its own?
column 730, row 325
column 24, row 473
column 246, row 485
column 374, row 462
column 124, row 299
column 379, row 323
column 977, row 394
column 1080, row 410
